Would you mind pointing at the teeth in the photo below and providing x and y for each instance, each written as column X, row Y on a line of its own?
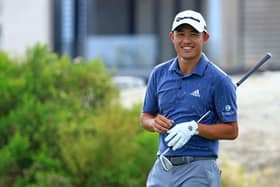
column 188, row 48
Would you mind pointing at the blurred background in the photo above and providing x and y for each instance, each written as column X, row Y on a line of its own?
column 64, row 122
column 132, row 35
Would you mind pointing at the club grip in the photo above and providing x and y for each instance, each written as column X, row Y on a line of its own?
column 261, row 62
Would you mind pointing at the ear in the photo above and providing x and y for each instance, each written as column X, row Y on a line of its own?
column 171, row 36
column 205, row 36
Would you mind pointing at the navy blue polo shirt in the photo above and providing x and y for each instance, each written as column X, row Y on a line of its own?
column 187, row 97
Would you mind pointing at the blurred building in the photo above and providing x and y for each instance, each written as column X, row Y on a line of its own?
column 23, row 23
column 132, row 35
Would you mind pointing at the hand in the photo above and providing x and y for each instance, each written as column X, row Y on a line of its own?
column 179, row 135
column 161, row 124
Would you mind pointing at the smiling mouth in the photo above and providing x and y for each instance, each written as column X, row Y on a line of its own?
column 188, row 48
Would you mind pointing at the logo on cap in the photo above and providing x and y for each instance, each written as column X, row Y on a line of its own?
column 181, row 18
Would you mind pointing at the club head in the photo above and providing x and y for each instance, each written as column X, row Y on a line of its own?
column 165, row 162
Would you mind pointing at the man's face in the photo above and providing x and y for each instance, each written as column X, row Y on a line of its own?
column 188, row 42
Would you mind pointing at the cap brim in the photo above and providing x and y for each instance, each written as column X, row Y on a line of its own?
column 192, row 23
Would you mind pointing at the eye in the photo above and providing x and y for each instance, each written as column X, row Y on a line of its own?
column 180, row 33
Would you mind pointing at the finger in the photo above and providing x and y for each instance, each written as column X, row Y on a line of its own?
column 159, row 128
column 179, row 144
column 162, row 124
column 163, row 121
column 163, row 118
column 174, row 140
column 170, row 136
column 172, row 130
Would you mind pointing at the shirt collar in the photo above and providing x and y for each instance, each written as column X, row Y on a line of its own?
column 199, row 69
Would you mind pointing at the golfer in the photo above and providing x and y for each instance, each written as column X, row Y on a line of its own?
column 179, row 92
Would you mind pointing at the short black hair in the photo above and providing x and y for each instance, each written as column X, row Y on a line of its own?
column 181, row 27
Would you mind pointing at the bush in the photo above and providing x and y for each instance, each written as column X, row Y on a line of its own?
column 38, row 94
column 108, row 150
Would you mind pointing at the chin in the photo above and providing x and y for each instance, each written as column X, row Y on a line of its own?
column 188, row 57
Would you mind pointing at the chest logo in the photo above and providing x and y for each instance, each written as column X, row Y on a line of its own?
column 195, row 93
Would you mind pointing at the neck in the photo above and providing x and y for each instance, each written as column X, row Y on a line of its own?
column 187, row 65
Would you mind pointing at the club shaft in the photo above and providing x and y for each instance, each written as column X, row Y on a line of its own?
column 165, row 151
column 245, row 77
column 202, row 117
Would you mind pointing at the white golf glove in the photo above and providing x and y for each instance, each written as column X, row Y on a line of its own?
column 179, row 135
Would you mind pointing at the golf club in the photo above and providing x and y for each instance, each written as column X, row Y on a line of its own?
column 165, row 162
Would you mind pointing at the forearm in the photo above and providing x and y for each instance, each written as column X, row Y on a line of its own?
column 227, row 131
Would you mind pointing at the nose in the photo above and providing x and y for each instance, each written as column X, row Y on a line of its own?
column 186, row 39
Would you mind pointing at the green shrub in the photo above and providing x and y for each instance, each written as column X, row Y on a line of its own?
column 38, row 94
column 109, row 149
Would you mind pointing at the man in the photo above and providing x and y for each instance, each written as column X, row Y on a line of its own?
column 179, row 92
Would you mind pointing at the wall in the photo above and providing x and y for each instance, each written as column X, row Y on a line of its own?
column 24, row 23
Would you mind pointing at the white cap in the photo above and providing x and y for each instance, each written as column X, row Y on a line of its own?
column 192, row 18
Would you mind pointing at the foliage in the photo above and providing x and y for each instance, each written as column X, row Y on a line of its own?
column 39, row 94
column 108, row 150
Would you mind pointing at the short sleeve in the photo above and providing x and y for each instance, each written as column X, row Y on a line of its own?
column 225, row 100
column 150, row 104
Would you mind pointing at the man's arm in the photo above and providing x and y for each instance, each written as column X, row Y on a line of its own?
column 155, row 123
column 227, row 131
column 179, row 135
